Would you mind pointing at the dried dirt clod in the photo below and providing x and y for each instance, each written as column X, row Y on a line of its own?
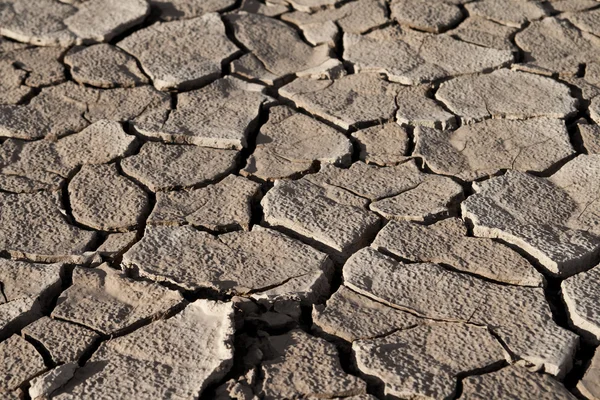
column 219, row 115
column 20, row 363
column 425, row 361
column 34, row 227
column 179, row 357
column 419, row 14
column 104, row 66
column 26, row 289
column 583, row 309
column 589, row 385
column 485, row 148
column 261, row 262
column 446, row 243
column 106, row 301
column 181, row 54
column 65, row 342
column 184, row 9
column 161, row 166
column 506, row 94
column 555, row 220
column 508, row 12
column 290, row 143
column 483, row 32
column 223, row 206
column 306, row 366
column 383, row 145
column 412, row 57
column 514, row 382
column 102, row 199
column 430, row 291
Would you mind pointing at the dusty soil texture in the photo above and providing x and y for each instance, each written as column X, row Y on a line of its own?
column 299, row 199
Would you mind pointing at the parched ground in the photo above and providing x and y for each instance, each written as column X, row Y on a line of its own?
column 299, row 199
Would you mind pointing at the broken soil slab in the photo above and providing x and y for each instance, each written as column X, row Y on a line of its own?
column 104, row 66
column 26, row 289
column 416, row 108
column 306, row 5
column 430, row 291
column 177, row 357
column 446, row 243
column 513, row 13
column 305, row 366
column 34, row 227
column 182, row 54
column 336, row 221
column 411, row 57
column 589, row 385
column 278, row 47
column 20, row 363
column 223, row 206
column 506, row 94
column 161, row 166
column 486, row 33
column 583, row 309
column 42, row 386
column 239, row 262
column 65, row 342
column 555, row 220
column 43, row 164
column 219, row 115
column 48, row 23
column 485, row 148
column 384, row 145
column 590, row 136
column 554, row 46
column 102, row 199
column 426, row 361
column 290, row 143
column 351, row 316
column 348, row 101
column 515, row 383
column 105, row 300
column 587, row 21
column 353, row 17
column 116, row 244
column 185, row 9
column 419, row 14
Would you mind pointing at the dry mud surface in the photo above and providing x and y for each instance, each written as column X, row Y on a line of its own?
column 299, row 199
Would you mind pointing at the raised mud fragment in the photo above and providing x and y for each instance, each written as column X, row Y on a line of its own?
column 65, row 342
column 291, row 143
column 590, row 136
column 219, row 115
column 116, row 244
column 417, row 109
column 508, row 12
column 238, row 262
column 580, row 295
column 333, row 218
column 587, row 21
column 412, row 57
column 485, row 148
column 351, row 316
column 430, row 291
column 181, row 54
column 161, row 166
column 425, row 361
column 102, row 199
column 306, row 5
column 348, row 101
column 223, row 206
column 354, row 17
column 553, row 219
column 278, row 48
column 554, row 46
column 514, row 382
column 305, row 366
column 483, row 32
column 104, row 66
column 419, row 14
column 43, row 164
column 105, row 300
column 26, row 289
column 34, row 227
column 446, row 243
column 42, row 386
column 589, row 385
column 186, row 9
column 20, row 363
column 506, row 94
column 49, row 23
column 383, row 145
column 177, row 357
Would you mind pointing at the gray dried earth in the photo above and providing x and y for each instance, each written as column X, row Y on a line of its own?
column 300, row 199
